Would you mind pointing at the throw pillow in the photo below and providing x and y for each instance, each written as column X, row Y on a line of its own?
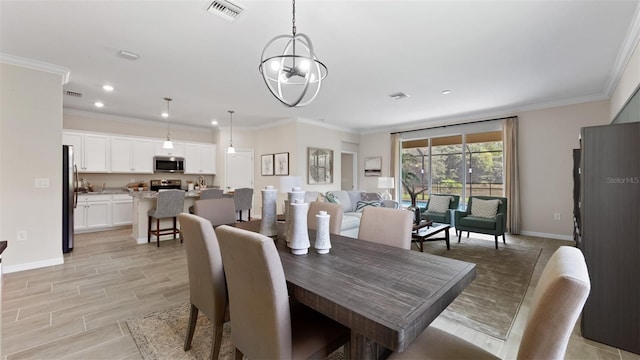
column 439, row 203
column 484, row 208
column 371, row 196
column 362, row 204
column 332, row 198
column 321, row 198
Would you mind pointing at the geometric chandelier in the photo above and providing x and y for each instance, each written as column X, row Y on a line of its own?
column 290, row 68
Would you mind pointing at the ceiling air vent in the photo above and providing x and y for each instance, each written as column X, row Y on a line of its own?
column 225, row 9
column 73, row 93
column 399, row 95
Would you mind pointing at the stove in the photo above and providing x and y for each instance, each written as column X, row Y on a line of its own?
column 165, row 184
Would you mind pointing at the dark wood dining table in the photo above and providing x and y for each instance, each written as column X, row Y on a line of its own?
column 386, row 295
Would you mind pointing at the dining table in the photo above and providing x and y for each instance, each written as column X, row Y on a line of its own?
column 385, row 295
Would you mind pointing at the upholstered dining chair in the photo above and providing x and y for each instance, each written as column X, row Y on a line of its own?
column 217, row 211
column 208, row 194
column 265, row 324
column 243, row 198
column 335, row 211
column 169, row 204
column 557, row 302
column 386, row 226
column 207, row 286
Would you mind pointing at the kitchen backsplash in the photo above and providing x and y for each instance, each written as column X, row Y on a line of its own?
column 121, row 180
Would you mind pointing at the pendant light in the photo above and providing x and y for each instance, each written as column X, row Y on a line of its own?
column 167, row 143
column 231, row 149
column 290, row 69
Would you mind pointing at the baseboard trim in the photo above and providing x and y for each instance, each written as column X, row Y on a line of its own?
column 32, row 265
column 547, row 235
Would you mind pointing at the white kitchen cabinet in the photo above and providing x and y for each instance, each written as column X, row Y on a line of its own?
column 200, row 159
column 92, row 212
column 178, row 149
column 122, row 210
column 131, row 155
column 91, row 151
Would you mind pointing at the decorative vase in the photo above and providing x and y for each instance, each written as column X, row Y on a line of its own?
column 299, row 235
column 323, row 239
column 296, row 193
column 268, row 223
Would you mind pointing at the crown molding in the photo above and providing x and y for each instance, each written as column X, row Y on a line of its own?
column 631, row 40
column 36, row 65
column 117, row 118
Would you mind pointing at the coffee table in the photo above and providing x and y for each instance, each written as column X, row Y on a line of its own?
column 426, row 229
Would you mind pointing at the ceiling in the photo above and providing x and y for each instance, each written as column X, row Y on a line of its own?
column 496, row 57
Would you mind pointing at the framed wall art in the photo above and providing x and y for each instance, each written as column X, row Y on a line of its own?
column 267, row 165
column 373, row 166
column 281, row 163
column 320, row 166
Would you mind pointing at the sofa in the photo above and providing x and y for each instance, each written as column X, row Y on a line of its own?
column 352, row 204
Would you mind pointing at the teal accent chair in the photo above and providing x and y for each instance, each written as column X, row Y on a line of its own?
column 445, row 217
column 496, row 227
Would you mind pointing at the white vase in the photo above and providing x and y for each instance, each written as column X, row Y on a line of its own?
column 296, row 193
column 323, row 238
column 299, row 235
column 268, row 223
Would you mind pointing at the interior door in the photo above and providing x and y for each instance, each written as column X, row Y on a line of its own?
column 239, row 171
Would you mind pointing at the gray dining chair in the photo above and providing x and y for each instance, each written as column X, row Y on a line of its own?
column 169, row 204
column 243, row 198
column 208, row 194
column 207, row 286
column 217, row 211
column 557, row 302
column 265, row 324
column 386, row 226
column 335, row 212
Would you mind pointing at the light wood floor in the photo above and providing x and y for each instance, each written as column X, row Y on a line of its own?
column 78, row 310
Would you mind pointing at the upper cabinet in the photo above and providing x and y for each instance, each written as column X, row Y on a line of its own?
column 91, row 151
column 131, row 155
column 199, row 159
column 178, row 149
column 104, row 153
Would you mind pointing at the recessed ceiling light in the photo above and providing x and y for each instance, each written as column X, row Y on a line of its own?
column 165, row 114
column 98, row 104
column 214, row 122
column 446, row 92
column 107, row 88
column 128, row 55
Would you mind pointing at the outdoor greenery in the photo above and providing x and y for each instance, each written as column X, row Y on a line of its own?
column 448, row 169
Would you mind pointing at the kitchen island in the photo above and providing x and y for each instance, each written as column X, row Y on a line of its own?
column 143, row 201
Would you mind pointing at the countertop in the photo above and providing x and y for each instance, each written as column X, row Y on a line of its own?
column 154, row 194
column 107, row 191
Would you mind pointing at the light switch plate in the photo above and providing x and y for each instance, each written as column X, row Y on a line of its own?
column 42, row 183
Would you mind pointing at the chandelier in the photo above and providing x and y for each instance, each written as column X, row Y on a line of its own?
column 290, row 68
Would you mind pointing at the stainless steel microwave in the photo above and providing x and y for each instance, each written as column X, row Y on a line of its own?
column 168, row 164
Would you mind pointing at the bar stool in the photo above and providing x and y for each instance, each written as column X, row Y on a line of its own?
column 243, row 198
column 170, row 204
column 208, row 194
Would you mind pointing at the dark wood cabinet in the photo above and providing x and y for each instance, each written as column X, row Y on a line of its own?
column 610, row 233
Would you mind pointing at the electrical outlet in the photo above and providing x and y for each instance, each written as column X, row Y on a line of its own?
column 21, row 235
column 556, row 216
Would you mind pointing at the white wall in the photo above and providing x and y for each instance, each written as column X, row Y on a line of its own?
column 30, row 148
column 627, row 85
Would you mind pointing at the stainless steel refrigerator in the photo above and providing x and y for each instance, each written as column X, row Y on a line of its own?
column 69, row 196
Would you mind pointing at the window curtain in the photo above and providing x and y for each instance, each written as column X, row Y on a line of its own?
column 394, row 168
column 512, row 178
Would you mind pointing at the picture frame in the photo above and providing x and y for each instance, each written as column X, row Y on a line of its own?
column 320, row 170
column 281, row 164
column 267, row 165
column 373, row 166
